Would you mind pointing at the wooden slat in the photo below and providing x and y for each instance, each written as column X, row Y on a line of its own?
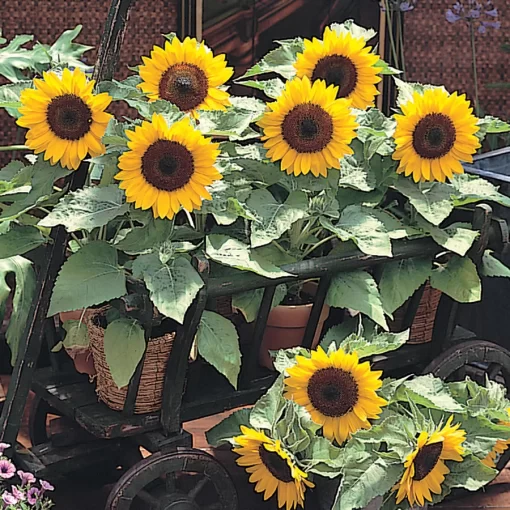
column 250, row 361
column 318, row 303
column 175, row 377
column 306, row 269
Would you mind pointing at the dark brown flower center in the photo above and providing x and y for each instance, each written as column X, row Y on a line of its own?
column 332, row 391
column 434, row 136
column 185, row 85
column 337, row 70
column 307, row 128
column 426, row 460
column 167, row 165
column 69, row 117
column 277, row 466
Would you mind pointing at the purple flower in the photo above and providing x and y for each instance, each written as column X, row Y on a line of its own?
column 7, row 469
column 26, row 478
column 451, row 17
column 406, row 6
column 493, row 13
column 46, row 486
column 18, row 494
column 3, row 447
column 33, row 495
column 9, row 499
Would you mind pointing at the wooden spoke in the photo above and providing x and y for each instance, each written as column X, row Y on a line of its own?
column 193, row 493
column 147, row 497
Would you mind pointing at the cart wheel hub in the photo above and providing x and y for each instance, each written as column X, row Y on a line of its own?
column 180, row 502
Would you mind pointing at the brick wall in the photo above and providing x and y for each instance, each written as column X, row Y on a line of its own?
column 438, row 52
column 47, row 19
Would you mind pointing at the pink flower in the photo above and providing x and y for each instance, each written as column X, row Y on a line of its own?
column 19, row 495
column 46, row 486
column 3, row 447
column 9, row 499
column 7, row 469
column 26, row 478
column 33, row 495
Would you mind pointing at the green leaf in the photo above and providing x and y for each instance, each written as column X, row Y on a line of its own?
column 386, row 69
column 432, row 200
column 87, row 208
column 280, row 61
column 233, row 253
column 124, row 345
column 355, row 30
column 19, row 239
column 356, row 174
column 88, row 277
column 457, row 237
column 218, row 344
column 77, row 335
column 365, row 481
column 428, row 391
column 357, row 290
column 248, row 303
column 14, row 59
column 469, row 474
column 274, row 218
column 228, row 428
column 24, row 294
column 407, row 90
column 400, row 279
column 268, row 409
column 43, row 175
column 172, row 286
column 143, row 239
column 64, row 51
column 491, row 124
column 395, row 228
column 491, row 266
column 233, row 123
column 357, row 223
column 272, row 88
column 10, row 96
column 468, row 189
column 458, row 279
column 377, row 344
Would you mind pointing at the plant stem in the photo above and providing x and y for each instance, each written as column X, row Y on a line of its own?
column 389, row 27
column 6, row 148
column 310, row 249
column 400, row 36
column 475, row 71
column 75, row 237
column 280, row 247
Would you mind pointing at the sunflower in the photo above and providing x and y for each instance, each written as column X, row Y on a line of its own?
column 307, row 128
column 271, row 468
column 499, row 448
column 167, row 167
column 425, row 467
column 186, row 74
column 65, row 120
column 435, row 133
column 337, row 390
column 342, row 60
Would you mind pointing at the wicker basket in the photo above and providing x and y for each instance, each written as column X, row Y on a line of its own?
column 150, row 391
column 423, row 323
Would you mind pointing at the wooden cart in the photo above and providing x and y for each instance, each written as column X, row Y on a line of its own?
column 176, row 476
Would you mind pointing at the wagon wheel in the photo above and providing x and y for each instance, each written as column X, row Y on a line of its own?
column 478, row 360
column 39, row 412
column 187, row 479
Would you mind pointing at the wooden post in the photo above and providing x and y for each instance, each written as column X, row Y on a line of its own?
column 19, row 387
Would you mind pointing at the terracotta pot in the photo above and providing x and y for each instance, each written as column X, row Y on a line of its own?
column 82, row 356
column 286, row 328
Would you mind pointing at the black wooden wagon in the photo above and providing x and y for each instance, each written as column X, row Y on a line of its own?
column 176, row 476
